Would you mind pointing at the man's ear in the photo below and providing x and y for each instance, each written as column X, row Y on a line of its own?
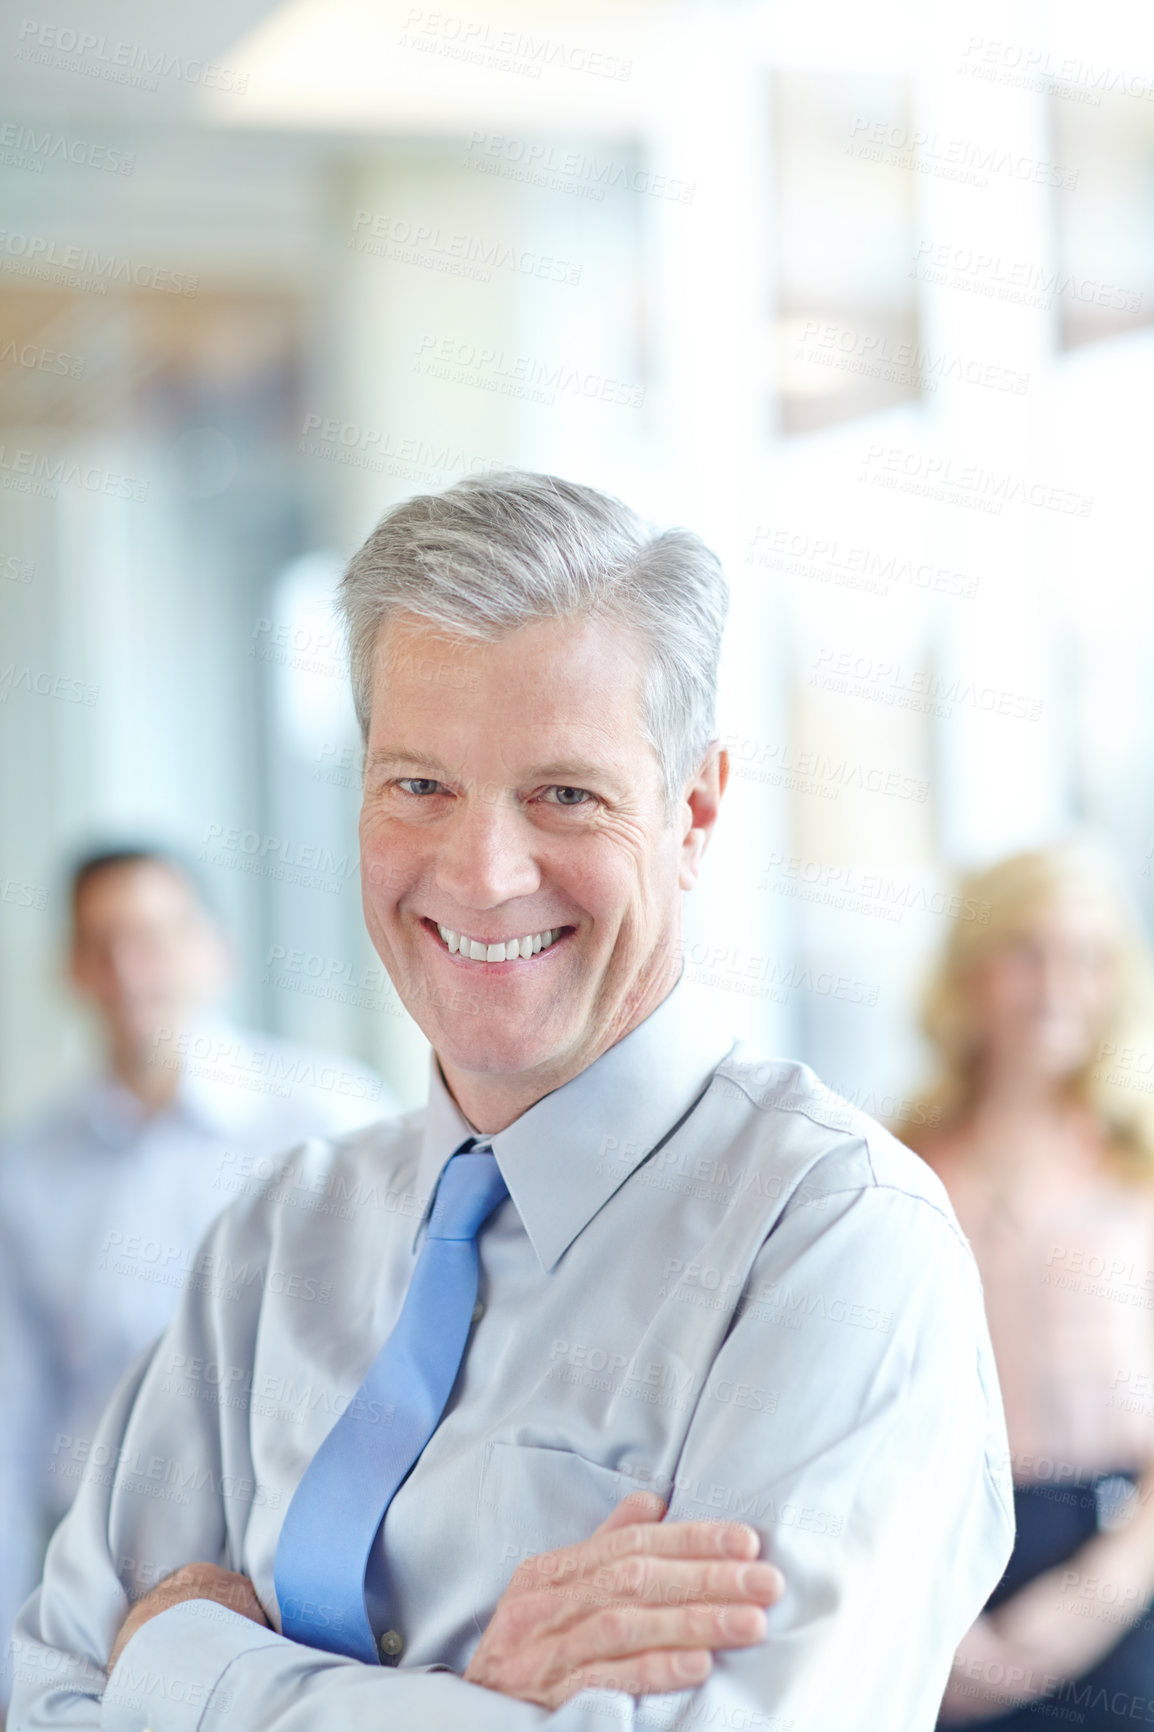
column 703, row 799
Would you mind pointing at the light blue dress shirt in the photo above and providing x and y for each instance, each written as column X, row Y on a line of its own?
column 102, row 1209
column 712, row 1278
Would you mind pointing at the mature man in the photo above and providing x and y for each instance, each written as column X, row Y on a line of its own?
column 498, row 1443
column 105, row 1195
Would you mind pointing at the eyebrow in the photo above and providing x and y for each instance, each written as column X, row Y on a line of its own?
column 388, row 760
column 572, row 772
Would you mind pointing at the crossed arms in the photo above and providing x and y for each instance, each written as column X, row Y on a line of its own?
column 892, row 1430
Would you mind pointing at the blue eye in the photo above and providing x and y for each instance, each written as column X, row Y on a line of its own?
column 581, row 793
column 419, row 785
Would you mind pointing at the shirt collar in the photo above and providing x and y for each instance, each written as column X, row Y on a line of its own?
column 112, row 1112
column 570, row 1151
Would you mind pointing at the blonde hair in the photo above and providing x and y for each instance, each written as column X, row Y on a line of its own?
column 1113, row 1083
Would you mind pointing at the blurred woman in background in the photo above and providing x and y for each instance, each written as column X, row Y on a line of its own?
column 1041, row 1127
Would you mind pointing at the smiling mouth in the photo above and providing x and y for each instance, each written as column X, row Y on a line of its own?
column 508, row 950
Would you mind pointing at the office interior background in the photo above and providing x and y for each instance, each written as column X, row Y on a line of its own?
column 865, row 295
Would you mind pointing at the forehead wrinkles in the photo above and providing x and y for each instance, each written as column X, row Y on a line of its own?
column 553, row 704
column 560, row 701
column 544, row 657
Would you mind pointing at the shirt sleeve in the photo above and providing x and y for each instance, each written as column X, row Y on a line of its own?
column 851, row 1417
column 157, row 1487
column 30, row 1381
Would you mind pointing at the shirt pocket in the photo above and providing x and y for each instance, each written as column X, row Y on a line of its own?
column 533, row 1499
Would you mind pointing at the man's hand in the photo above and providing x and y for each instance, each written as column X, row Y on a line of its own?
column 191, row 1582
column 639, row 1607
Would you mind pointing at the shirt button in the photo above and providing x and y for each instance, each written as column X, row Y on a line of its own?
column 391, row 1645
column 478, row 1310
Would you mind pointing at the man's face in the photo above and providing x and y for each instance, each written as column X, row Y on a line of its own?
column 143, row 950
column 509, row 794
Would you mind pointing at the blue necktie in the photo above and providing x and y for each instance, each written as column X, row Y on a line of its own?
column 325, row 1544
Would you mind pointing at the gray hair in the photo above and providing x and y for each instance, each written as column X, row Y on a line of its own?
column 497, row 551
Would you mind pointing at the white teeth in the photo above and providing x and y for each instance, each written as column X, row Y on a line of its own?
column 508, row 951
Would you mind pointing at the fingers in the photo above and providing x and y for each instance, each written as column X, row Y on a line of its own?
column 701, row 1539
column 644, row 1652
column 622, row 1632
column 677, row 1606
column 676, row 1582
column 641, row 1606
column 649, row 1579
column 653, row 1674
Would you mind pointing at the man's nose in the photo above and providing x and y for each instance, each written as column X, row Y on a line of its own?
column 131, row 963
column 485, row 855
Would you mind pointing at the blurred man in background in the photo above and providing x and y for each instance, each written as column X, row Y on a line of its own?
column 104, row 1197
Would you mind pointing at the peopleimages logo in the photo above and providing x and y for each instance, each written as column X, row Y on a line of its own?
column 309, row 865
column 494, row 369
column 949, row 158
column 38, row 359
column 472, row 39
column 886, row 682
column 827, row 559
column 131, row 63
column 44, row 473
column 915, row 471
column 865, row 892
column 875, row 355
column 1028, row 68
column 460, row 254
column 540, row 163
column 43, row 684
column 1020, row 281
column 85, row 267
column 409, row 456
column 27, row 147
